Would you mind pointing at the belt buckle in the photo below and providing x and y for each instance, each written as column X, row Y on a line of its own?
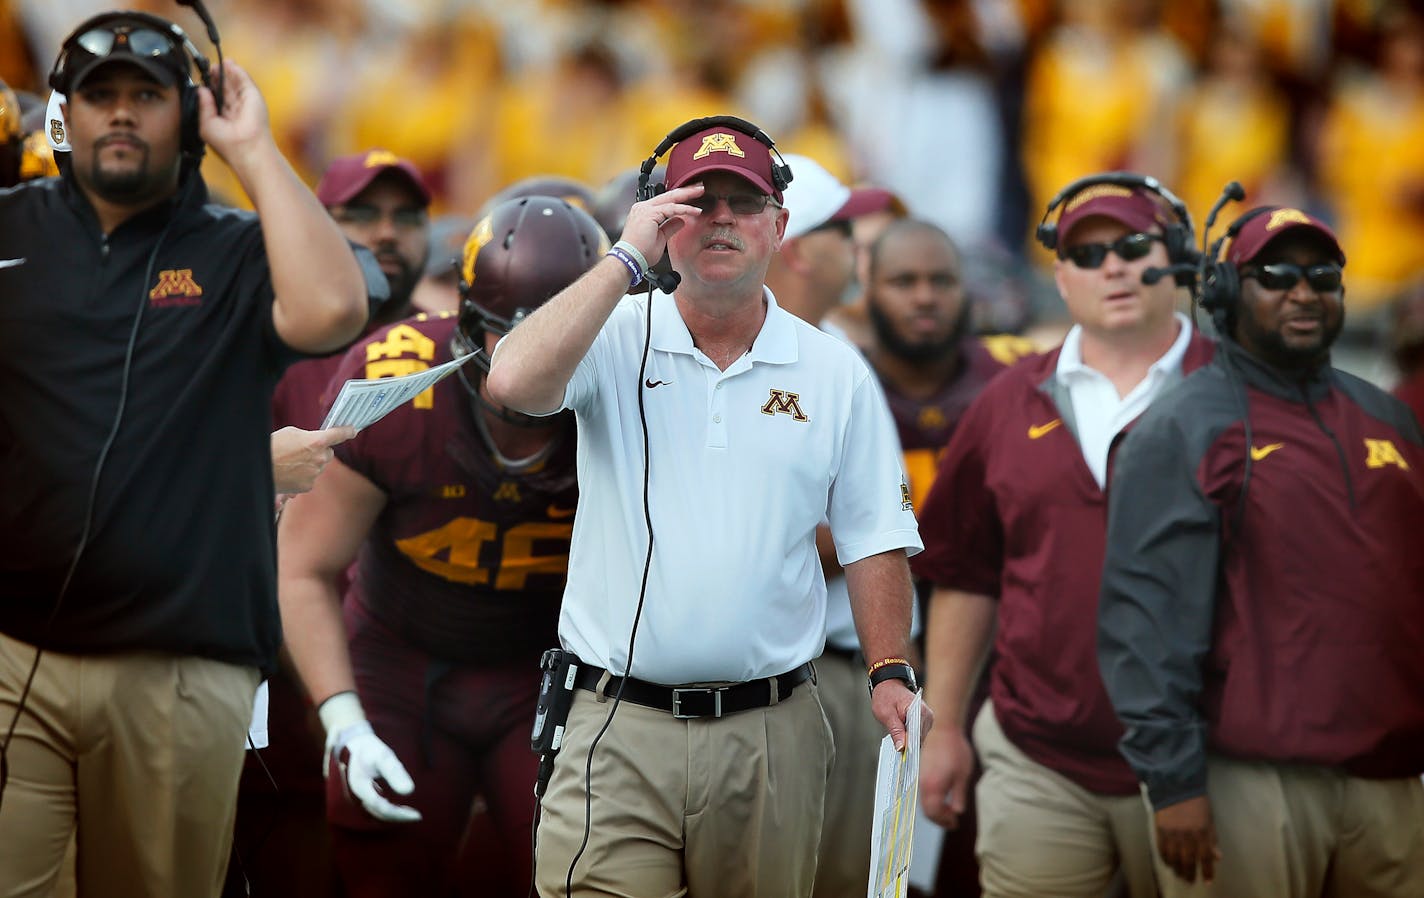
column 715, row 692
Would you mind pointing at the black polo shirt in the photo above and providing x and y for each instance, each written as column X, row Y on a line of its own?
column 181, row 551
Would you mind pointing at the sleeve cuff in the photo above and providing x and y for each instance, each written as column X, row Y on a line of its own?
column 1165, row 794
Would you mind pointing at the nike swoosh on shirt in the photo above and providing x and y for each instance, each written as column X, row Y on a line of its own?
column 650, row 383
column 1262, row 452
column 1038, row 430
column 11, row 263
column 556, row 512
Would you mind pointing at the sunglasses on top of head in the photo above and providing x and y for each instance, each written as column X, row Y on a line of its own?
column 139, row 40
column 1325, row 278
column 1129, row 248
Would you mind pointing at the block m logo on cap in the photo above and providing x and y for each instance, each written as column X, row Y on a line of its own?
column 721, row 142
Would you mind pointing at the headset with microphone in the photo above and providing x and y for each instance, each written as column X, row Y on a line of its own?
column 1182, row 256
column 661, row 273
column 99, row 36
column 143, row 35
column 1220, row 280
column 1220, row 290
column 667, row 282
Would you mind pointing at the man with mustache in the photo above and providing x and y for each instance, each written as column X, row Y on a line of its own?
column 142, row 332
column 1261, row 630
column 694, row 614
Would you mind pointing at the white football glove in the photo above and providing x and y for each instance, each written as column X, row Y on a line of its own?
column 363, row 758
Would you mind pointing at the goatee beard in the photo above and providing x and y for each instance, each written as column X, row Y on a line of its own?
column 128, row 187
column 917, row 353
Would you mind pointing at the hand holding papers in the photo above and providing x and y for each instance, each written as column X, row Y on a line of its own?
column 362, row 403
column 897, row 787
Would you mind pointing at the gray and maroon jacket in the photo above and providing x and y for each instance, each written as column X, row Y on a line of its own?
column 1263, row 591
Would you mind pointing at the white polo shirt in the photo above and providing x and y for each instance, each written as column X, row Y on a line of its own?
column 1098, row 410
column 745, row 463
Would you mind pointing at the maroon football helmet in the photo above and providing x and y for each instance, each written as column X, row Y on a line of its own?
column 575, row 192
column 518, row 256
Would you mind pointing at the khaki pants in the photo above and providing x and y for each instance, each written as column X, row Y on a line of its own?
column 708, row 808
column 1294, row 831
column 136, row 756
column 1042, row 834
column 843, row 867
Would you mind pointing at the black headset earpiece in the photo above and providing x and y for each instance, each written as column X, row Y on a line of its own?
column 780, row 171
column 661, row 274
column 192, row 141
column 1177, row 237
column 1222, row 287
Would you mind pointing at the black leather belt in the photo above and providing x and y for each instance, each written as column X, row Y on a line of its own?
column 696, row 701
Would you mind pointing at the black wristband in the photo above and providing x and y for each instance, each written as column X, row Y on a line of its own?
column 894, row 672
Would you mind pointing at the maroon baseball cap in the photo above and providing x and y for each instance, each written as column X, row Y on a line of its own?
column 1265, row 224
column 1132, row 207
column 349, row 175
column 867, row 200
column 722, row 149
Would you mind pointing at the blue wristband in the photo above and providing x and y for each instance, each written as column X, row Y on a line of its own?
column 636, row 253
column 635, row 273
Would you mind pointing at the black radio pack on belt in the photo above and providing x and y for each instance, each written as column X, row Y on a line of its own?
column 556, row 694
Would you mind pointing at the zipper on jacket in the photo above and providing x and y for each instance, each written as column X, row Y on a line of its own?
column 1339, row 450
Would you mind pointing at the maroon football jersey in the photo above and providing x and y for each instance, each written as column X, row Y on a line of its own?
column 469, row 556
column 301, row 398
column 925, row 425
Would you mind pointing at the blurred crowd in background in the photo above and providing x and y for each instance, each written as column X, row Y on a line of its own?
column 972, row 112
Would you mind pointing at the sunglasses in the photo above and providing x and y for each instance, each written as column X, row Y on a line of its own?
column 739, row 203
column 1129, row 248
column 1325, row 278
column 139, row 41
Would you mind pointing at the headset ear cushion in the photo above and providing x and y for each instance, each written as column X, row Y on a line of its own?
column 1230, row 285
column 1180, row 252
column 1047, row 234
column 1175, row 245
column 1221, row 288
column 192, row 137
